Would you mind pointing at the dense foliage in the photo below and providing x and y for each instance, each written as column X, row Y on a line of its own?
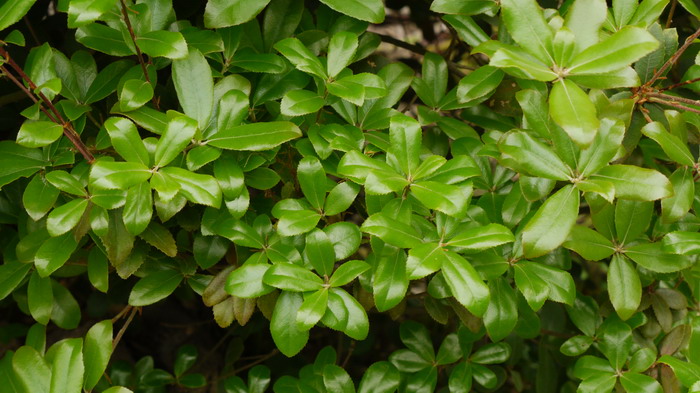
column 264, row 195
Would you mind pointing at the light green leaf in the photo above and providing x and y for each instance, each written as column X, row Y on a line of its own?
column 634, row 382
column 341, row 50
column 588, row 243
column 54, row 253
column 526, row 24
column 687, row 373
column 446, row 198
column 138, row 208
column 296, row 222
column 319, row 252
column 380, row 377
column 671, row 144
column 302, row 58
column 256, row 136
column 287, row 337
column 13, row 11
column 675, row 207
column 391, row 231
column 301, row 102
column 67, row 368
column 684, row 243
column 465, row 284
column 126, row 140
column 312, row 309
column 652, row 256
column 502, row 313
column 38, row 133
column 621, row 49
column 291, row 277
column 247, row 281
column 65, row 217
column 340, row 198
column 604, row 147
column 312, row 180
column 134, row 94
column 162, row 43
column 348, row 89
column 118, row 175
column 523, row 153
column 347, row 272
column 479, row 84
column 197, row 188
column 40, row 298
column 405, row 138
column 632, row 182
column 390, row 281
column 573, row 111
column 224, row 13
column 368, row 10
column 516, row 62
column 176, row 137
column 534, row 289
column 624, row 286
column 31, row 370
column 481, row 238
column 584, row 19
column 154, row 287
column 337, row 380
column 194, row 86
column 18, row 161
column 550, row 226
column 96, row 352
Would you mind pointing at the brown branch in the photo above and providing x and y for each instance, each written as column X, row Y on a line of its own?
column 674, row 105
column 674, row 3
column 679, row 84
column 121, row 332
column 125, row 14
column 674, row 98
column 55, row 115
column 672, row 60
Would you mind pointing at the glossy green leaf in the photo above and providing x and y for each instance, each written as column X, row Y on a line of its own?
column 256, row 136
column 341, row 49
column 291, row 277
column 380, row 377
column 671, row 144
column 312, row 309
column 652, row 256
column 67, row 368
column 524, row 153
column 38, row 133
column 675, row 207
column 335, row 379
column 247, row 281
column 347, row 272
column 197, row 188
column 138, row 209
column 294, row 223
column 391, row 231
column 312, row 180
column 65, row 217
column 588, row 243
column 194, row 86
column 54, row 253
column 11, row 12
column 175, row 138
column 390, row 281
column 551, row 224
column 301, row 102
column 154, row 287
column 481, row 238
column 220, row 13
column 134, row 93
column 126, row 140
column 636, row 183
column 369, row 10
column 531, row 285
column 573, row 111
column 576, row 346
column 502, row 313
column 39, row 197
column 616, row 342
column 680, row 242
column 118, row 175
column 633, row 382
column 40, row 298
column 97, row 351
column 465, row 284
column 288, row 338
column 162, row 43
column 624, row 286
column 449, row 199
column 302, row 58
column 340, row 198
column 31, row 370
column 621, row 49
column 687, row 373
column 479, row 84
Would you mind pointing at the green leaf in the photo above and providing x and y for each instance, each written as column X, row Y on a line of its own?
column 54, row 253
column 561, row 283
column 312, row 180
column 65, row 217
column 31, row 370
column 416, row 337
column 526, row 24
column 573, row 111
column 67, row 368
column 624, row 286
column 551, row 224
column 368, row 10
column 347, row 272
column 390, row 281
column 604, row 147
column 335, row 379
column 40, row 298
column 340, row 198
column 301, row 102
column 424, row 259
column 239, row 232
column 493, row 353
column 208, row 250
column 104, row 39
column 66, row 182
column 534, row 289
column 11, row 12
column 357, row 166
column 138, row 208
column 162, row 43
column 194, row 86
column 256, row 136
column 184, row 359
column 39, row 197
column 312, row 309
column 160, row 237
column 82, row 12
column 634, row 382
column 96, row 352
column 247, row 281
column 341, row 50
column 319, row 252
column 287, row 337
column 348, row 89
column 652, row 256
column 675, row 207
column 353, row 321
column 291, row 277
column 525, row 154
column 197, row 188
column 302, row 58
column 599, row 383
column 391, row 231
column 616, row 342
column 684, row 243
column 296, row 222
column 134, row 94
column 38, row 133
column 465, row 284
column 687, row 373
column 66, row 311
column 635, row 183
column 502, row 313
column 154, row 287
column 380, row 377
column 222, row 13
column 176, row 137
column 18, row 161
column 632, row 219
column 449, row 199
column 405, row 138
column 11, row 275
column 519, row 63
column 479, row 84
column 621, row 49
column 671, row 144
column 229, row 175
column 584, row 19
column 481, row 238
column 126, row 140
column 576, row 346
column 588, row 243
column 345, row 237
column 118, row 175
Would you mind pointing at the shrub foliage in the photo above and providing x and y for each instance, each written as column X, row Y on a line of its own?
column 199, row 191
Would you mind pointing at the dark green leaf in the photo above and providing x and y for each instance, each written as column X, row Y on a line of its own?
column 288, row 338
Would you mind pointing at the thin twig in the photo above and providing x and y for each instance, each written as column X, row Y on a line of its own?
column 253, row 364
column 68, row 129
column 672, row 60
column 679, row 84
column 674, row 104
column 125, row 14
column 124, row 327
column 674, row 98
column 670, row 13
